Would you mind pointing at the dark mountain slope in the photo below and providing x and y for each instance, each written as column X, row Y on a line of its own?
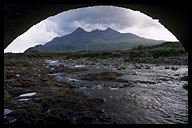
column 108, row 39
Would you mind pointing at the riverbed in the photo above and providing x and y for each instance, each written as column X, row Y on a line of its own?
column 142, row 94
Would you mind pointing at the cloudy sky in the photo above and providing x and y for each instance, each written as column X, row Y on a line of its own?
column 91, row 18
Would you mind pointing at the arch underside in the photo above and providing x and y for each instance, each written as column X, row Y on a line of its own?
column 18, row 18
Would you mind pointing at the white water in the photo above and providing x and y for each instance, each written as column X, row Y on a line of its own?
column 155, row 96
column 28, row 94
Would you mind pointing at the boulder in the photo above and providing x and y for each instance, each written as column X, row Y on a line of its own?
column 185, row 86
column 174, row 68
column 101, row 76
column 184, row 78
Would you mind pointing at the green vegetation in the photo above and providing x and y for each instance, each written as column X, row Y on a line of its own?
column 165, row 49
column 15, row 59
column 162, row 50
column 15, row 62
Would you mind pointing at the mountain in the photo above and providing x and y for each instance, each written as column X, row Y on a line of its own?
column 108, row 39
column 39, row 48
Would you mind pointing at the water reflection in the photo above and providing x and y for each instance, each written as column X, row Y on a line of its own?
column 151, row 95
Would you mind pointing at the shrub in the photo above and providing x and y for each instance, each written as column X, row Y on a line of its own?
column 14, row 62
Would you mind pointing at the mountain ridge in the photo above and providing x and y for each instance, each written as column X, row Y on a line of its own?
column 107, row 39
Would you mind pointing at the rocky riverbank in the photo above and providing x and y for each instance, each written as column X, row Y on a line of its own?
column 53, row 102
column 32, row 95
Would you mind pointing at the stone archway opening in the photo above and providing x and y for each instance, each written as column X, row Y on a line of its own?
column 146, row 93
column 173, row 17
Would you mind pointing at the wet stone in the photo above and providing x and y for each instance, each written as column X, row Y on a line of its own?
column 101, row 76
column 167, row 68
column 147, row 67
column 134, row 73
column 185, row 86
column 174, row 68
column 128, row 85
column 137, row 66
column 11, row 83
column 184, row 78
column 147, row 82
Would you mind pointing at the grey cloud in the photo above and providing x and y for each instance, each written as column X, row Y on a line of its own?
column 105, row 16
column 98, row 17
column 101, row 17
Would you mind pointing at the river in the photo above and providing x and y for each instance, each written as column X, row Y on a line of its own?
column 143, row 94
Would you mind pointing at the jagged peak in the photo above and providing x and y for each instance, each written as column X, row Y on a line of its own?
column 39, row 45
column 96, row 30
column 110, row 29
column 79, row 29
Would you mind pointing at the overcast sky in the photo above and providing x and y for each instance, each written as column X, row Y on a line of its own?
column 91, row 18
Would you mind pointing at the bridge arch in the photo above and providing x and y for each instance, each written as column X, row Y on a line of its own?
column 18, row 18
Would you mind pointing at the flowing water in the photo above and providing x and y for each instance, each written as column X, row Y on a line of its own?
column 143, row 94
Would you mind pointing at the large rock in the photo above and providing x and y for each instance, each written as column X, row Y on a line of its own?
column 101, row 76
column 185, row 86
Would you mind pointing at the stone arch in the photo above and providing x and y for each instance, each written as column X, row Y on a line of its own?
column 18, row 18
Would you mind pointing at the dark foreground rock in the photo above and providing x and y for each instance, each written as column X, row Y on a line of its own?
column 185, row 86
column 52, row 102
column 62, row 68
column 184, row 78
column 101, row 76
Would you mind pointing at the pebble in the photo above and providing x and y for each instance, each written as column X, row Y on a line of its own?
column 134, row 73
column 147, row 67
column 138, row 67
column 167, row 67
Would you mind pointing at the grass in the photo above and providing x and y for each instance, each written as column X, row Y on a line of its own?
column 14, row 62
column 165, row 49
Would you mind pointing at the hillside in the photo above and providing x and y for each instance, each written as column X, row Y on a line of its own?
column 38, row 48
column 95, row 40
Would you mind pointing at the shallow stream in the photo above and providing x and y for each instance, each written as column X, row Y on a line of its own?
column 143, row 94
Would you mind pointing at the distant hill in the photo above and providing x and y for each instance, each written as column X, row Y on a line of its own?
column 38, row 48
column 80, row 39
